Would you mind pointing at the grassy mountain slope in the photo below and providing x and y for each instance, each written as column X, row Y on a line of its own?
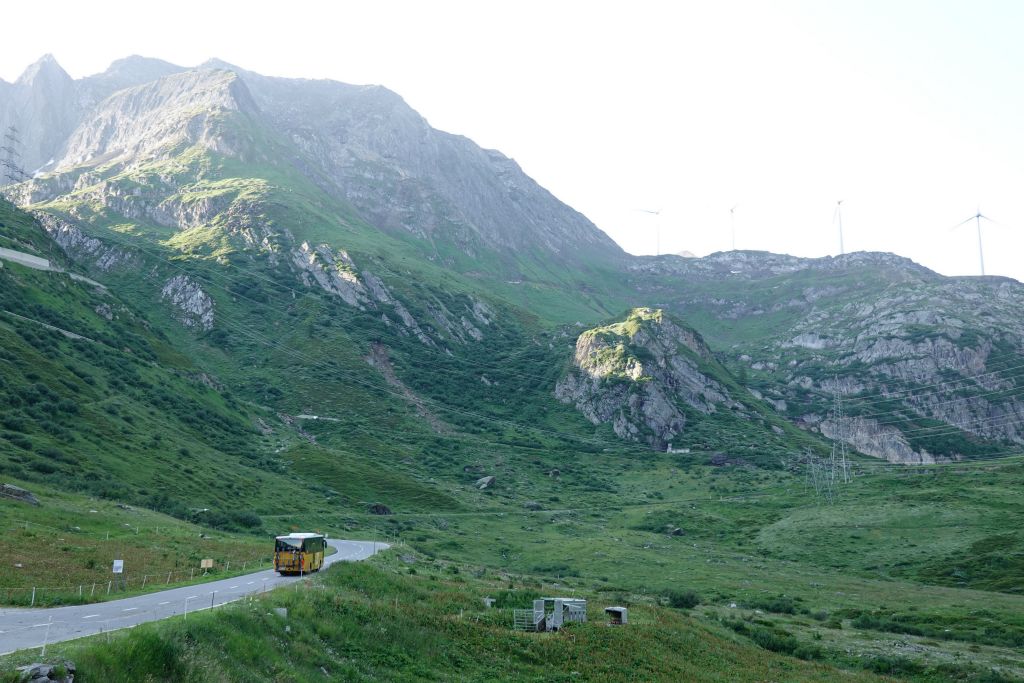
column 266, row 356
column 436, row 630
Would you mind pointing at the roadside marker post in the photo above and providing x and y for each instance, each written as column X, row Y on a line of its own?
column 46, row 638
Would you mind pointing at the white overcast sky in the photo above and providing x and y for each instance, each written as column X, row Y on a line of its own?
column 912, row 113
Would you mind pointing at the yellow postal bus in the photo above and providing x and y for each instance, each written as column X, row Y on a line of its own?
column 299, row 553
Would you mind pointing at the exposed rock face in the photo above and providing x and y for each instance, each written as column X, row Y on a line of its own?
column 927, row 363
column 46, row 105
column 195, row 307
column 641, row 375
column 333, row 271
column 871, row 438
column 42, row 105
column 126, row 126
column 409, row 178
column 82, row 248
column 18, row 493
column 363, row 144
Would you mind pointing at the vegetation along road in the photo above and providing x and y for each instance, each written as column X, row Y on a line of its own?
column 30, row 628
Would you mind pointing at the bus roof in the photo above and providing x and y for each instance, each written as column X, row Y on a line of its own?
column 303, row 535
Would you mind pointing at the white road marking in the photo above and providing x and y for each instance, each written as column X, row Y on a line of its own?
column 232, row 587
column 38, row 625
column 192, row 597
column 129, row 609
column 249, row 583
column 90, row 616
column 165, row 602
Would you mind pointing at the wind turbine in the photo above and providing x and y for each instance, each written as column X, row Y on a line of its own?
column 977, row 219
column 837, row 217
column 732, row 220
column 657, row 230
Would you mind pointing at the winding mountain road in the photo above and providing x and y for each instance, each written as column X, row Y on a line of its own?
column 30, row 628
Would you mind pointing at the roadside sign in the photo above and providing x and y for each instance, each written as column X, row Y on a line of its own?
column 206, row 564
column 118, row 566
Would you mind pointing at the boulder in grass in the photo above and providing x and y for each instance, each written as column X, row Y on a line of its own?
column 485, row 482
column 380, row 509
column 18, row 493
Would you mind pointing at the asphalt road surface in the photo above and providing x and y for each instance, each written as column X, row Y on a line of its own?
column 29, row 628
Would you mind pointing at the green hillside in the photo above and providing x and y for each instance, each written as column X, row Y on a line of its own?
column 569, row 506
column 353, row 323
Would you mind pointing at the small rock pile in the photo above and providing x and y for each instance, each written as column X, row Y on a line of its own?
column 37, row 673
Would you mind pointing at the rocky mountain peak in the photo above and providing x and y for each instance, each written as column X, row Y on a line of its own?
column 44, row 71
column 182, row 108
column 124, row 73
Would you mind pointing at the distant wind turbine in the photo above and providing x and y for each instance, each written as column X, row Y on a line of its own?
column 657, row 230
column 837, row 217
column 977, row 219
column 732, row 221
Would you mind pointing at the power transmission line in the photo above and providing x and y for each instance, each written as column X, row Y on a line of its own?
column 11, row 162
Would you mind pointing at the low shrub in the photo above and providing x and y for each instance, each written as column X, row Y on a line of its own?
column 682, row 599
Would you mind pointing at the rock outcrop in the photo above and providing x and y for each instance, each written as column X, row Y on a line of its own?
column 13, row 492
column 643, row 376
column 194, row 305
